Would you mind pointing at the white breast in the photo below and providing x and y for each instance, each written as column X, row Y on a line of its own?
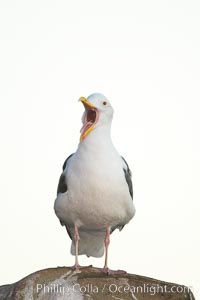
column 98, row 195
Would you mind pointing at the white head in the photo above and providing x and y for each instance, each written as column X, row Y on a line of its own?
column 98, row 112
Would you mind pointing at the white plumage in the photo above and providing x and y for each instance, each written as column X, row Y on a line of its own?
column 95, row 189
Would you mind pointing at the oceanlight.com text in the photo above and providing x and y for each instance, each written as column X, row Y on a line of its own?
column 112, row 289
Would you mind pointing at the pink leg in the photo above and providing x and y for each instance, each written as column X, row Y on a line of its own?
column 107, row 242
column 106, row 269
column 76, row 239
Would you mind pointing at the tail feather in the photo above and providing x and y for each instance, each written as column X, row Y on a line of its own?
column 91, row 243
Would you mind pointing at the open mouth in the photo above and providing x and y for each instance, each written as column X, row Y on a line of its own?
column 89, row 119
column 91, row 115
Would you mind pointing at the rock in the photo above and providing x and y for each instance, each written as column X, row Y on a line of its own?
column 91, row 283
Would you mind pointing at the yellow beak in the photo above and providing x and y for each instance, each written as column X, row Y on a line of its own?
column 85, row 101
column 87, row 125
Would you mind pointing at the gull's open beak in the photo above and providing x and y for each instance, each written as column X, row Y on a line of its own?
column 89, row 119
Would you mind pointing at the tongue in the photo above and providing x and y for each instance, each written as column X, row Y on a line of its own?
column 85, row 127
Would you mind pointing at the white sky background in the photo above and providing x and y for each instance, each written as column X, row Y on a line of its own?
column 144, row 56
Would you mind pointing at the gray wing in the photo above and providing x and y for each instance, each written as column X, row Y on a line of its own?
column 62, row 187
column 62, row 184
column 128, row 175
column 65, row 163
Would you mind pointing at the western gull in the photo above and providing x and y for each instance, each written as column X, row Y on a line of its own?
column 95, row 193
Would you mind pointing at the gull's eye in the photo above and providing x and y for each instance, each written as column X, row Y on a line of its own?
column 104, row 103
